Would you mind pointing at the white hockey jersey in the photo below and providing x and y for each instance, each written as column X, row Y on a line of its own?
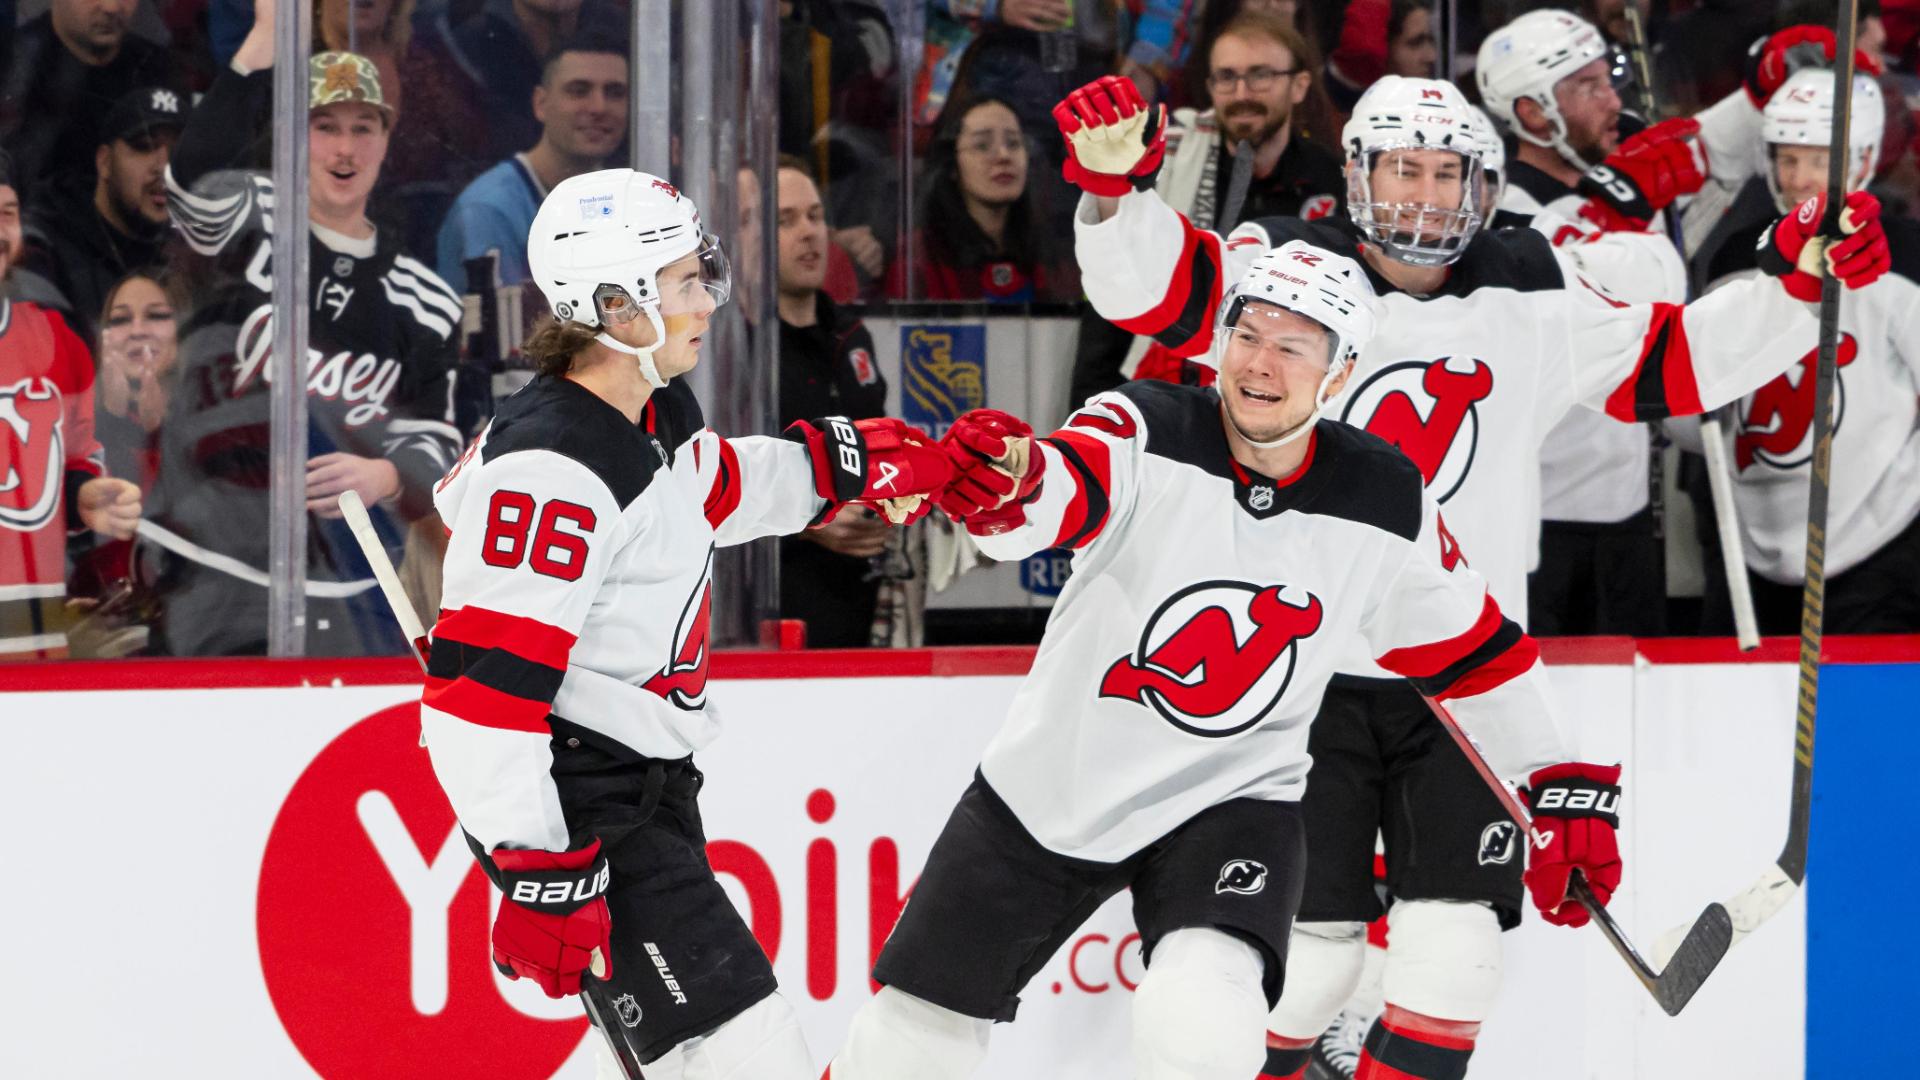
column 1208, row 607
column 1591, row 469
column 1467, row 381
column 578, row 583
column 1875, row 491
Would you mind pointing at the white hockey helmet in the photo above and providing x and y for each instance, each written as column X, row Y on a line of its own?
column 1398, row 113
column 600, row 240
column 1800, row 113
column 1493, row 160
column 1328, row 288
column 1527, row 58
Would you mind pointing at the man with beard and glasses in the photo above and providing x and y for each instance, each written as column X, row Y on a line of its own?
column 69, row 67
column 1240, row 160
column 84, row 239
column 581, row 103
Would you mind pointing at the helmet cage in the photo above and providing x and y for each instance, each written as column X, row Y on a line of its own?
column 1437, row 235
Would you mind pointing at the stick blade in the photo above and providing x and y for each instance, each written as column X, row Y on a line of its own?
column 1694, row 959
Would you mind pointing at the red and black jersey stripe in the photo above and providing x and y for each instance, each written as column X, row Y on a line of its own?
column 1662, row 383
column 496, row 670
column 1491, row 651
column 724, row 499
column 1183, row 319
column 1092, row 467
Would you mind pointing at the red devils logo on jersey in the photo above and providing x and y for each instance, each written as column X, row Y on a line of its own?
column 1776, row 427
column 1427, row 409
column 1317, row 207
column 1216, row 657
column 1108, row 417
column 684, row 680
column 33, row 453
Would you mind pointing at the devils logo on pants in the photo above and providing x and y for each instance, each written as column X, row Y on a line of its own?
column 33, row 457
column 1776, row 426
column 1216, row 657
column 1426, row 408
column 683, row 681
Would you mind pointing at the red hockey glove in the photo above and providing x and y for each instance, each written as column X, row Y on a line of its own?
column 553, row 922
column 1576, row 810
column 883, row 461
column 1644, row 175
column 1792, row 249
column 997, row 471
column 1115, row 141
column 1771, row 60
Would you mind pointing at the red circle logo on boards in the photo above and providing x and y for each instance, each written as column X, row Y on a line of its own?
column 374, row 921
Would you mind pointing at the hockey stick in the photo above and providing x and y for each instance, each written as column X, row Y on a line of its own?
column 1764, row 898
column 1725, row 515
column 1695, row 956
column 355, row 513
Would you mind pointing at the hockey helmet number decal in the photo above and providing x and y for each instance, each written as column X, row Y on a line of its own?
column 1429, row 409
column 1216, row 658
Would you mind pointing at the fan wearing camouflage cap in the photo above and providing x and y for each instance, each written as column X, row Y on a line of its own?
column 382, row 341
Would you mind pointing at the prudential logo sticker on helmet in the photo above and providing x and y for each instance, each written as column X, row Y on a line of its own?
column 596, row 207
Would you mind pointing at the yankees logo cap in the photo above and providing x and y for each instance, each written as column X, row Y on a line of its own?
column 140, row 112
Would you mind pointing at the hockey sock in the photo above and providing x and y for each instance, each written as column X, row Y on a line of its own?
column 1286, row 1058
column 1404, row 1045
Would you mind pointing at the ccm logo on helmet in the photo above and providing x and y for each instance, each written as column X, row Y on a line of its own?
column 1589, row 799
column 578, row 891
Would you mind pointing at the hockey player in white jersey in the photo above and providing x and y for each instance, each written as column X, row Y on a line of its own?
column 1873, row 532
column 1486, row 340
column 1231, row 550
column 566, row 686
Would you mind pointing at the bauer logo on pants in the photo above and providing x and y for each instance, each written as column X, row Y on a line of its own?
column 1243, row 876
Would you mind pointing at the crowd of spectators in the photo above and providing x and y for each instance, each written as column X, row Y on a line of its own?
column 920, row 162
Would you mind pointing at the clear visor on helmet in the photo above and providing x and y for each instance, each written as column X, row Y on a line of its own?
column 697, row 282
column 1419, row 204
column 1248, row 325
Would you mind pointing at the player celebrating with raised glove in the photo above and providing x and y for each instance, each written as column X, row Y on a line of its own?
column 567, row 683
column 1231, row 551
column 1486, row 339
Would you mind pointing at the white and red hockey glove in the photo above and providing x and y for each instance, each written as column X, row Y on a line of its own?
column 1772, row 59
column 1576, row 812
column 997, row 471
column 1644, row 175
column 1115, row 141
column 884, row 462
column 553, row 923
column 1792, row 249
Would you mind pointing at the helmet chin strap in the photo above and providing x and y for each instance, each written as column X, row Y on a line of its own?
column 1304, row 426
column 643, row 357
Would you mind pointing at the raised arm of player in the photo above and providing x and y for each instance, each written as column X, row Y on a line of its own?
column 1652, row 361
column 1065, row 490
column 533, row 532
column 754, row 486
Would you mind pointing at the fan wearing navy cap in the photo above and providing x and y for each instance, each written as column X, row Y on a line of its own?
column 83, row 239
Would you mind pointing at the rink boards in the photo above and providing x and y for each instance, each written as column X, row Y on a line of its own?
column 245, row 869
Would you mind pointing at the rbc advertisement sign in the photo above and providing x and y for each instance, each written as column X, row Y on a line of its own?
column 1044, row 572
column 943, row 373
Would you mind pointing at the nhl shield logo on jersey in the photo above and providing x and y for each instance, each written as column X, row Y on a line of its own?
column 1243, row 876
column 1497, row 846
column 33, row 455
column 1216, row 657
column 683, row 681
column 1776, row 423
column 1427, row 408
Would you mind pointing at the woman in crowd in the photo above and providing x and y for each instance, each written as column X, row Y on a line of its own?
column 138, row 349
column 980, row 235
